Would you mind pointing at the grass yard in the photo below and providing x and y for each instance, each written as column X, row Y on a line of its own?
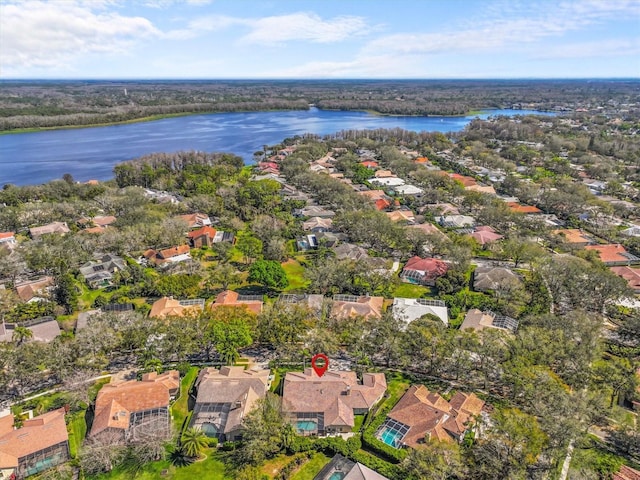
column 295, row 275
column 409, row 290
column 180, row 408
column 77, row 428
column 211, row 468
column 310, row 469
column 358, row 421
column 272, row 467
column 397, row 384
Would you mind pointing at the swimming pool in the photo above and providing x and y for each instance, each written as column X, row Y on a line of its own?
column 306, row 426
column 390, row 437
column 337, row 476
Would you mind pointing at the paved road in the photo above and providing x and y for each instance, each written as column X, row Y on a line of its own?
column 567, row 462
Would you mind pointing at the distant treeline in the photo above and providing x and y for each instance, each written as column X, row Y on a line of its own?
column 67, row 103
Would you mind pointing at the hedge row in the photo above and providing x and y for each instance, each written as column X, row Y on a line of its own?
column 377, row 446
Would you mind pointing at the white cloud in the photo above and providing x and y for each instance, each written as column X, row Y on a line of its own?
column 53, row 33
column 278, row 29
column 170, row 3
column 508, row 28
column 602, row 48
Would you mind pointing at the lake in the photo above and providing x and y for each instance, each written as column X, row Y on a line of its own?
column 91, row 153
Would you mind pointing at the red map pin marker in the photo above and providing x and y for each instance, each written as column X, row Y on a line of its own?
column 320, row 363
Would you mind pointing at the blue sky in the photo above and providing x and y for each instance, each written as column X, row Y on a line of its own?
column 319, row 39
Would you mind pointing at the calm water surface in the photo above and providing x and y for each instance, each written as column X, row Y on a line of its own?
column 91, row 153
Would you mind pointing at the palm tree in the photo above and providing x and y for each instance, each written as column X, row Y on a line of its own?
column 21, row 335
column 179, row 457
column 194, row 441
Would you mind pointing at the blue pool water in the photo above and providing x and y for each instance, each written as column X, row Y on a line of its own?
column 306, row 426
column 336, row 476
column 390, row 437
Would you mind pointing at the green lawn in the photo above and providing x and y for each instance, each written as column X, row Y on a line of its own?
column 409, row 290
column 272, row 467
column 180, row 408
column 295, row 275
column 310, row 469
column 77, row 428
column 211, row 468
column 397, row 384
column 358, row 420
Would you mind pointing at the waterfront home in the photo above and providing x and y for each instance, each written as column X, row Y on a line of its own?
column 225, row 397
column 328, row 404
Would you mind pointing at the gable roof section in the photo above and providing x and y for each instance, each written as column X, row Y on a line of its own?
column 573, row 235
column 631, row 275
column 36, row 434
column 613, row 253
column 351, row 306
column 27, row 290
column 230, row 298
column 306, row 392
column 116, row 402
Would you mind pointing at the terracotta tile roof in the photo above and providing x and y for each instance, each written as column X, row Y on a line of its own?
column 369, row 164
column 368, row 307
column 173, row 251
column 201, row 232
column 305, row 392
column 572, row 235
column 55, row 227
column 166, row 307
column 117, row 401
column 195, row 219
column 103, row 221
column 429, row 268
column 484, row 237
column 421, row 160
column 626, row 473
column 27, row 290
column 611, row 253
column 427, row 413
column 382, row 204
column 4, row 235
column 429, row 229
column 373, row 194
column 170, row 379
column 631, row 275
column 401, row 216
column 229, row 298
column 36, row 434
column 384, row 174
column 518, row 208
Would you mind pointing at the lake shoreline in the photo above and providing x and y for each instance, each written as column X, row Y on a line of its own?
column 153, row 118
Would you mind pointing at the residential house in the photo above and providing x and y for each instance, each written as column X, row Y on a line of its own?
column 329, row 239
column 384, row 174
column 407, row 190
column 133, row 410
column 315, row 211
column 195, row 220
column 526, row 209
column 574, row 236
column 229, row 298
column 311, row 301
column 306, row 242
column 626, row 473
column 349, row 251
column 343, row 468
column 423, row 271
column 99, row 273
column 7, row 239
column 494, row 278
column 370, row 164
column 463, row 179
column 441, row 209
column 477, row 320
column 225, row 397
column 59, row 228
column 168, row 255
column 613, row 255
column 406, row 216
column 631, row 275
column 486, row 189
column 328, row 404
column 206, row 236
column 33, row 290
column 42, row 442
column 430, row 229
column 169, row 307
column 374, row 195
column 103, row 221
column 485, row 235
column 348, row 306
column 410, row 309
column 170, row 379
column 317, row 225
column 633, row 231
column 456, row 221
column 421, row 416
column 387, row 181
column 43, row 329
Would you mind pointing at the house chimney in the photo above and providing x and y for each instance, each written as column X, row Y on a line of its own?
column 348, row 389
